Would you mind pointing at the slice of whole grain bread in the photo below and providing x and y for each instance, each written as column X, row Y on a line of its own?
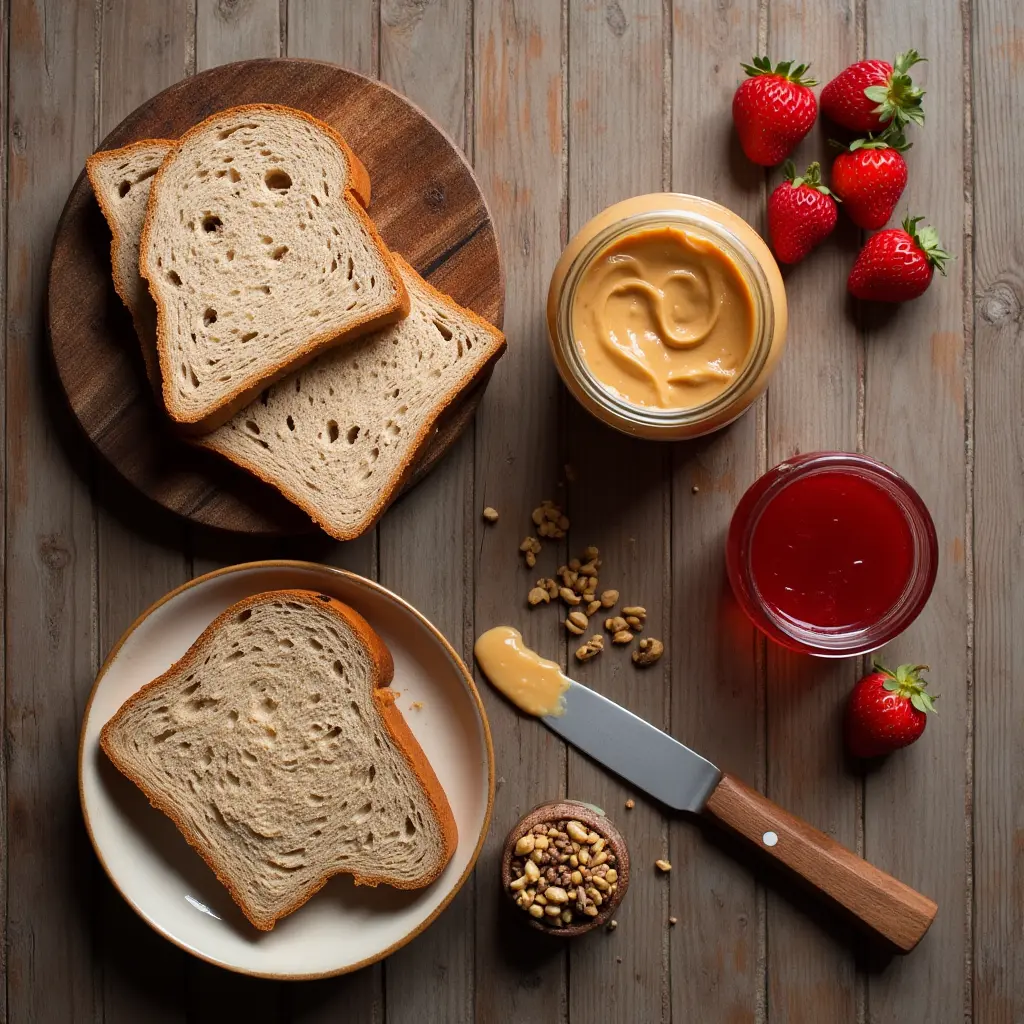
column 340, row 436
column 276, row 747
column 259, row 256
column 121, row 179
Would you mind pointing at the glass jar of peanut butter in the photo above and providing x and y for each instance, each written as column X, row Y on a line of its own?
column 666, row 315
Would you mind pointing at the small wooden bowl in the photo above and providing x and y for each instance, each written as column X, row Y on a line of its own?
column 594, row 820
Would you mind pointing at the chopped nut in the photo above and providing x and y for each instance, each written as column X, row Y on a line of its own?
column 609, row 598
column 545, row 529
column 573, row 628
column 579, row 619
column 563, row 523
column 574, row 564
column 519, row 883
column 648, row 652
column 538, row 595
column 636, row 616
column 593, row 647
column 549, row 585
column 556, row 894
column 541, row 842
column 536, row 910
column 531, row 559
column 630, row 804
column 673, row 920
column 590, row 553
column 588, row 569
column 525, row 844
column 576, row 832
column 663, row 865
column 611, row 876
column 569, row 596
column 593, row 606
column 416, row 705
column 530, row 544
column 612, row 925
column 491, row 514
column 615, row 624
column 579, row 585
column 623, row 636
column 634, row 622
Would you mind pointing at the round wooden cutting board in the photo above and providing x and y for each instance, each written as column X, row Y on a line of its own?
column 426, row 203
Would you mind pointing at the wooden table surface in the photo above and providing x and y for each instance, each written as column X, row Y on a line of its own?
column 564, row 107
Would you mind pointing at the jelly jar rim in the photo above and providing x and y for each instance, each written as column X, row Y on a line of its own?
column 838, row 643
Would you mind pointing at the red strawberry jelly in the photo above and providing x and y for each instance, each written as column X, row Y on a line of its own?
column 832, row 554
column 832, row 550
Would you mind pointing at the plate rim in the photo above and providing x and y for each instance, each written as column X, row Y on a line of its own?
column 290, row 563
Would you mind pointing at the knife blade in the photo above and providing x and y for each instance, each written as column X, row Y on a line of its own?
column 633, row 748
column 680, row 778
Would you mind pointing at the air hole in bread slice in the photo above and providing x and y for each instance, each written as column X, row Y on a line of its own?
column 443, row 329
column 233, row 174
column 211, row 222
column 291, row 423
column 209, row 316
column 245, row 615
column 277, row 180
column 279, row 253
column 332, row 430
column 172, row 276
column 124, row 188
column 353, row 433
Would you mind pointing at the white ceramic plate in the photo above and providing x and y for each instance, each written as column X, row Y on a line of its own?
column 342, row 927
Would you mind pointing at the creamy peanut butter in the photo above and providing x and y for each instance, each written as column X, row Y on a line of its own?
column 664, row 318
column 534, row 684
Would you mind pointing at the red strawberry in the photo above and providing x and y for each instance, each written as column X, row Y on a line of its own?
column 887, row 710
column 871, row 93
column 869, row 176
column 897, row 264
column 773, row 110
column 801, row 213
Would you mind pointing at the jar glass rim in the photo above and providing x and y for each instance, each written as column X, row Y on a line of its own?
column 843, row 642
column 754, row 277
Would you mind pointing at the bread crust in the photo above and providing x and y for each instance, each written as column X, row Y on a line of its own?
column 357, row 186
column 384, row 700
column 146, row 343
column 381, row 505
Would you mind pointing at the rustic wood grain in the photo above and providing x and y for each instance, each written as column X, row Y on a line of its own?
column 426, row 204
column 716, row 698
column 812, row 406
column 345, row 33
column 423, row 51
column 133, row 568
column 4, row 126
column 998, row 301
column 618, row 500
column 228, row 30
column 914, row 421
column 49, row 577
column 518, row 127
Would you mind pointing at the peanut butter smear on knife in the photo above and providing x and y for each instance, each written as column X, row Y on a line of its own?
column 534, row 684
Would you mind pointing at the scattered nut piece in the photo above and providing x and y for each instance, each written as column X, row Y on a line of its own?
column 574, row 564
column 636, row 616
column 663, row 865
column 590, row 553
column 491, row 514
column 579, row 584
column 612, row 925
column 672, row 920
column 579, row 619
column 569, row 596
column 531, row 559
column 573, row 628
column 622, row 636
column 615, row 624
column 549, row 585
column 525, row 844
column 694, row 489
column 593, row 606
column 648, row 652
column 538, row 595
column 630, row 804
column 416, row 705
column 609, row 599
column 530, row 544
column 593, row 647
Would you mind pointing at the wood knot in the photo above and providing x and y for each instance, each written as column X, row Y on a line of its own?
column 54, row 554
column 229, row 10
column 435, row 198
column 1000, row 304
column 615, row 19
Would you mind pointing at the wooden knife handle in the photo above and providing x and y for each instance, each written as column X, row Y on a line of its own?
column 883, row 903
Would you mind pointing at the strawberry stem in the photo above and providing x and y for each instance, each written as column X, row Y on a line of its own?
column 906, row 682
column 784, row 69
column 927, row 240
column 899, row 100
column 891, row 138
column 811, row 177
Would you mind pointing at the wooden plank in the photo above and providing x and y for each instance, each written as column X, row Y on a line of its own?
column 914, row 421
column 50, row 571
column 345, row 33
column 135, row 566
column 426, row 540
column 618, row 500
column 518, row 133
column 717, row 946
column 812, row 406
column 5, row 14
column 998, row 298
column 228, row 30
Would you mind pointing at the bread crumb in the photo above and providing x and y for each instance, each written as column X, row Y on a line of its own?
column 416, row 705
column 663, row 866
column 672, row 920
column 694, row 489
column 490, row 514
column 630, row 804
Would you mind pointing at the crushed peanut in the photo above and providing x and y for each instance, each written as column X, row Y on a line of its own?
column 593, row 606
column 549, row 585
column 648, row 652
column 569, row 596
column 490, row 514
column 545, row 883
column 672, row 920
column 663, row 865
column 579, row 619
column 635, row 617
column 615, row 624
column 591, row 649
column 573, row 628
column 538, row 595
column 609, row 598
column 630, row 804
column 622, row 636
